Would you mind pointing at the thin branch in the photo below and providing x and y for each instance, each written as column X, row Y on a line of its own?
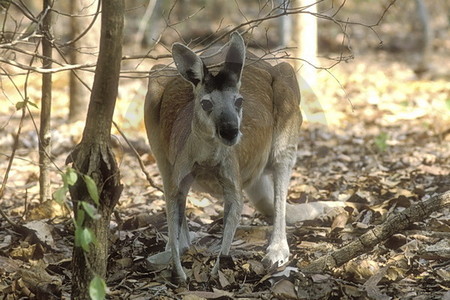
column 273, row 14
column 141, row 163
column 144, row 21
column 252, row 23
column 87, row 28
column 29, row 53
column 24, row 10
column 46, row 71
column 16, row 140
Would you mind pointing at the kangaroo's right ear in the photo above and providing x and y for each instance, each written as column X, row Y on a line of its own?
column 189, row 64
column 235, row 59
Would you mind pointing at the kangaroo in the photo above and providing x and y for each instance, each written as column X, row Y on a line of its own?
column 224, row 133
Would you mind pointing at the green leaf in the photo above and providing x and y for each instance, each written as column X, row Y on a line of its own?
column 71, row 176
column 381, row 141
column 20, row 105
column 78, row 230
column 97, row 288
column 32, row 104
column 92, row 188
column 83, row 238
column 60, row 195
column 77, row 236
column 91, row 210
column 80, row 217
column 447, row 103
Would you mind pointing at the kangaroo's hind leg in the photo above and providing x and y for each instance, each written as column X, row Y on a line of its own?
column 283, row 155
column 261, row 194
column 278, row 250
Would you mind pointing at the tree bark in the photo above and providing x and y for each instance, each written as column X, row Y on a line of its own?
column 306, row 29
column 284, row 24
column 368, row 240
column 426, row 42
column 46, row 103
column 79, row 92
column 94, row 156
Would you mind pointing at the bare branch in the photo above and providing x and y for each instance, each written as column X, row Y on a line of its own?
column 46, row 71
column 275, row 12
column 138, row 157
column 24, row 10
column 16, row 138
column 71, row 42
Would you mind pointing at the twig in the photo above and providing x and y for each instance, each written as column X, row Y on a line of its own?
column 71, row 42
column 254, row 22
column 16, row 143
column 144, row 21
column 43, row 70
column 367, row 241
column 148, row 177
column 24, row 10
column 141, row 163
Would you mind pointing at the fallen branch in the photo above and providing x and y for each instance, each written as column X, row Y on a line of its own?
column 367, row 241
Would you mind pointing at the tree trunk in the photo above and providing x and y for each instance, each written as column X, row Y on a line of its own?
column 284, row 24
column 306, row 29
column 46, row 103
column 426, row 41
column 79, row 54
column 94, row 156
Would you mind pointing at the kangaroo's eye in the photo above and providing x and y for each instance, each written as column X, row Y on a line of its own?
column 238, row 102
column 206, row 105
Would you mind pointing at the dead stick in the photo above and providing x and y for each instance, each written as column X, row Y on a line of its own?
column 368, row 240
column 141, row 163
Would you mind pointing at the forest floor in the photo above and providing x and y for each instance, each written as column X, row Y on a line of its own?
column 373, row 134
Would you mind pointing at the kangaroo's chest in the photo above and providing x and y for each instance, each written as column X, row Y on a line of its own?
column 207, row 179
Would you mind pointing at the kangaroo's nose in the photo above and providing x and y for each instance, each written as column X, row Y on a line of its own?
column 229, row 132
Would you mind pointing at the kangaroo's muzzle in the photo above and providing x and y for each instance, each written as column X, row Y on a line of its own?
column 229, row 134
column 228, row 128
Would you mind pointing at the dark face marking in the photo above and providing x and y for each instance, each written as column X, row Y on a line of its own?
column 220, row 82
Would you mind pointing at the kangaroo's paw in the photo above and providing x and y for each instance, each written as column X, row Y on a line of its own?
column 179, row 276
column 277, row 254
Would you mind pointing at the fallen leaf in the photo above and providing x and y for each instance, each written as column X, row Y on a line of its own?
column 8, row 265
column 440, row 250
column 42, row 231
column 47, row 210
column 373, row 291
column 6, row 241
column 284, row 289
column 223, row 280
column 216, row 293
column 361, row 270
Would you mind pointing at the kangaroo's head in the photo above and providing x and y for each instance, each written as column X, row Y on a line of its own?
column 218, row 104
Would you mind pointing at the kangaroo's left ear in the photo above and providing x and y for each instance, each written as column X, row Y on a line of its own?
column 189, row 64
column 235, row 59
